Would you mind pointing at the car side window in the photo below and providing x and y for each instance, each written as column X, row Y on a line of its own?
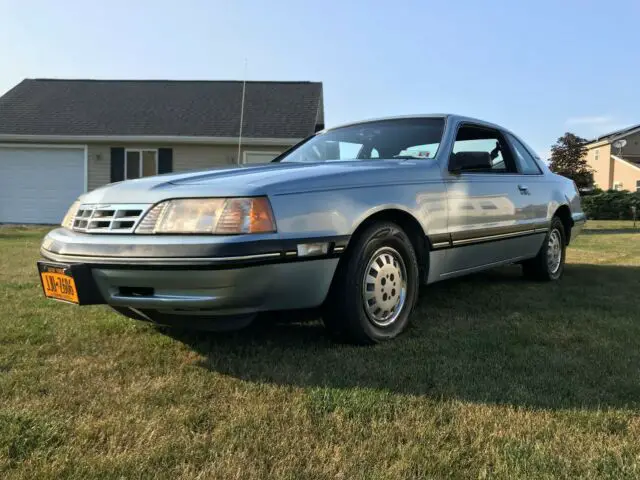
column 527, row 165
column 485, row 143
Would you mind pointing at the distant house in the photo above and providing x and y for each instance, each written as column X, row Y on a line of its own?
column 616, row 167
column 60, row 138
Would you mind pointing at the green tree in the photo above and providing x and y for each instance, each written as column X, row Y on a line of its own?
column 569, row 159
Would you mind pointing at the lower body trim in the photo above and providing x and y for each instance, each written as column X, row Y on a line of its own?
column 477, row 256
column 280, row 286
column 484, row 235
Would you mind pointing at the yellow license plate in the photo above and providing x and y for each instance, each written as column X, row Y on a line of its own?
column 59, row 286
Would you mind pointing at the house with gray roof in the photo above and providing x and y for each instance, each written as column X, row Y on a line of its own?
column 615, row 159
column 60, row 138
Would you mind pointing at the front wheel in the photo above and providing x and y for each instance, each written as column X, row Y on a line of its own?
column 548, row 265
column 375, row 288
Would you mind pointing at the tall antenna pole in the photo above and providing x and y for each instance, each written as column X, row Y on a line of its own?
column 244, row 88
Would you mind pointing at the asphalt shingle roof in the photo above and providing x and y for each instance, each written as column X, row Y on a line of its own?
column 616, row 133
column 161, row 107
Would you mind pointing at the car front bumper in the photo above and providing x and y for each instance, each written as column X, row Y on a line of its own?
column 197, row 275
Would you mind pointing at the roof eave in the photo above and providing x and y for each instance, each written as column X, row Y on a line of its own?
column 613, row 137
column 626, row 134
column 597, row 143
column 179, row 139
column 627, row 162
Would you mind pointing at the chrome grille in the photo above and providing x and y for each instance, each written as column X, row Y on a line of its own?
column 109, row 218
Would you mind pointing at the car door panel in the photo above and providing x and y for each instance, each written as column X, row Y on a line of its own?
column 485, row 209
column 489, row 202
column 537, row 185
column 463, row 260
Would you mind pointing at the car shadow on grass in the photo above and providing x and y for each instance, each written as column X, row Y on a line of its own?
column 492, row 337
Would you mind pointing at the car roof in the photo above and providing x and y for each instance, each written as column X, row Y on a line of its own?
column 447, row 116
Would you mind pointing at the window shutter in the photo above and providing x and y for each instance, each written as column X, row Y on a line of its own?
column 165, row 160
column 117, row 164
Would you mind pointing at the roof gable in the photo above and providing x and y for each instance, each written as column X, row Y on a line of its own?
column 161, row 108
column 612, row 136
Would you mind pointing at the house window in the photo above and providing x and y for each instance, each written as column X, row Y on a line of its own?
column 596, row 154
column 637, row 185
column 140, row 163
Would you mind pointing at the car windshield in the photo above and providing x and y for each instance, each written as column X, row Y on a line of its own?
column 385, row 139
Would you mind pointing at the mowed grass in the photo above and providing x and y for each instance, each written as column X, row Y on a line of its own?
column 498, row 377
column 613, row 225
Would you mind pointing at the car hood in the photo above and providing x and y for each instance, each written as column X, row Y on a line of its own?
column 267, row 179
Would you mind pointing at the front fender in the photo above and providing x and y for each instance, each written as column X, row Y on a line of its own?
column 340, row 212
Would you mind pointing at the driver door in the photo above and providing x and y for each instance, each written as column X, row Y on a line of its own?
column 487, row 220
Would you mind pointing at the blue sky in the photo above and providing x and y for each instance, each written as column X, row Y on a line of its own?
column 538, row 67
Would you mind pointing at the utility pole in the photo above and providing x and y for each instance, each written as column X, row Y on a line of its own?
column 244, row 88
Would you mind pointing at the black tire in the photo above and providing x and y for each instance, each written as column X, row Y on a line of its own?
column 344, row 313
column 541, row 267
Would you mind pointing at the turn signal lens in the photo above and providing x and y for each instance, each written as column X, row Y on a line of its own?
column 311, row 249
column 67, row 221
column 216, row 216
column 246, row 215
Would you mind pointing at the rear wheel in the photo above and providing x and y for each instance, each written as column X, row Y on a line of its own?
column 375, row 287
column 548, row 265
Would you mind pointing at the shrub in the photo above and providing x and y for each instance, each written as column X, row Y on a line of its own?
column 611, row 205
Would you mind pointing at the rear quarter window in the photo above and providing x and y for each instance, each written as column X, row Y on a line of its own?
column 527, row 165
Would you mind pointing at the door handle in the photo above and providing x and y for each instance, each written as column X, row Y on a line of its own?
column 523, row 189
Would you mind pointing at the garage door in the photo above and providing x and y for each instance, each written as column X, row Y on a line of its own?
column 259, row 157
column 37, row 185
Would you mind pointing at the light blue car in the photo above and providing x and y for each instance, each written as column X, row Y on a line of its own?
column 353, row 219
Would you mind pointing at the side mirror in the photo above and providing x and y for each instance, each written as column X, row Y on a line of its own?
column 469, row 161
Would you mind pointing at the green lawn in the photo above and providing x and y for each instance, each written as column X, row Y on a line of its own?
column 497, row 377
column 613, row 225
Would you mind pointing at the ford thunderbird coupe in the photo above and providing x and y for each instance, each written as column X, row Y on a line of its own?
column 354, row 219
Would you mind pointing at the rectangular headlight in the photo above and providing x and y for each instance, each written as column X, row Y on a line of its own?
column 217, row 216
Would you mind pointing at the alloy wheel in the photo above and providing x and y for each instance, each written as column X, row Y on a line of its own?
column 384, row 287
column 554, row 251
